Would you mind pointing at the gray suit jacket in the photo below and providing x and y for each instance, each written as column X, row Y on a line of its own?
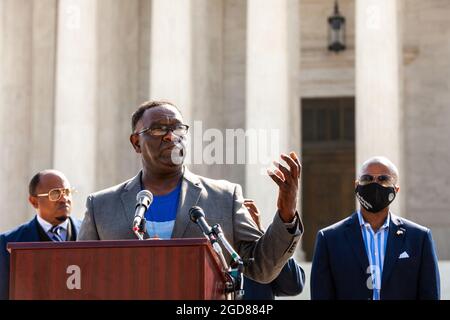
column 110, row 214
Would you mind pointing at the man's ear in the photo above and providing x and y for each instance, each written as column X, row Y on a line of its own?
column 397, row 188
column 134, row 139
column 33, row 201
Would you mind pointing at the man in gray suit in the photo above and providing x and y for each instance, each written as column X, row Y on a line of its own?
column 158, row 135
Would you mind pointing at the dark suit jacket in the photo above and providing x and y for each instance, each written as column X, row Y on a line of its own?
column 27, row 232
column 340, row 263
column 290, row 282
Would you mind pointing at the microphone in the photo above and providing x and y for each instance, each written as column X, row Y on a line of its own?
column 198, row 216
column 144, row 198
column 214, row 234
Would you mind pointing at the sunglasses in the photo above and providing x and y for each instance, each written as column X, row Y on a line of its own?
column 383, row 179
column 57, row 193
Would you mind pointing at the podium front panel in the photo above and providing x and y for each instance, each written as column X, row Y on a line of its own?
column 180, row 269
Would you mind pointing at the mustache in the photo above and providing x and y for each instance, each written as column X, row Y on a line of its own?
column 64, row 205
column 181, row 144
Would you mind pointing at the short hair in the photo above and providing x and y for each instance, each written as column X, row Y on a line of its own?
column 383, row 161
column 137, row 115
column 34, row 183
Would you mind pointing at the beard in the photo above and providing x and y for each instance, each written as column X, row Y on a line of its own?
column 62, row 218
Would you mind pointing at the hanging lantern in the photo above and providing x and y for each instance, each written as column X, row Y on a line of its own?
column 336, row 30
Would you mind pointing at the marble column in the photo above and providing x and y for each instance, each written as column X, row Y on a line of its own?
column 187, row 68
column 75, row 126
column 100, row 65
column 171, row 53
column 379, row 128
column 234, row 85
column 43, row 84
column 26, row 101
column 272, row 96
column 15, row 110
column 119, row 63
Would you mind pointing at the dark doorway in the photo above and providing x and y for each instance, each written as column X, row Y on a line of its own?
column 328, row 156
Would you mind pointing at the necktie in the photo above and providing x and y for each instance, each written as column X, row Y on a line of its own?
column 55, row 233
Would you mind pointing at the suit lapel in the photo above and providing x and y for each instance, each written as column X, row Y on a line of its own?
column 75, row 229
column 69, row 231
column 356, row 241
column 394, row 245
column 72, row 233
column 128, row 198
column 37, row 233
column 189, row 196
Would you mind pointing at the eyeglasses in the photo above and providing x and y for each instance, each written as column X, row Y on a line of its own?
column 57, row 193
column 383, row 179
column 179, row 130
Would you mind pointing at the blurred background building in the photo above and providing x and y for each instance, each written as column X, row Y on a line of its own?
column 73, row 71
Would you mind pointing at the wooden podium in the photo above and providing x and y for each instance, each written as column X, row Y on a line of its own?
column 178, row 269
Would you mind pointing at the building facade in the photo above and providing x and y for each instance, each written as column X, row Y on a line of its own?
column 73, row 71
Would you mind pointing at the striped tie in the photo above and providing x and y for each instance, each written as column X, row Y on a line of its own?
column 55, row 233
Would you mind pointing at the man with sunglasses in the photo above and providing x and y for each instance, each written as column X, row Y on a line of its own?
column 374, row 254
column 158, row 136
column 50, row 194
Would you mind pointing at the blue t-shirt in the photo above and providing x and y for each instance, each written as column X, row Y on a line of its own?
column 162, row 213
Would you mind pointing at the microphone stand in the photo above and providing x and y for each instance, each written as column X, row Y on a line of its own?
column 218, row 249
column 235, row 272
column 236, row 269
column 141, row 229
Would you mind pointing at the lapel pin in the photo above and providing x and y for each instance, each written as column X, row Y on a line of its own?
column 400, row 232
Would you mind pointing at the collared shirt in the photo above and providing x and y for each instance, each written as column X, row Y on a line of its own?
column 47, row 226
column 375, row 244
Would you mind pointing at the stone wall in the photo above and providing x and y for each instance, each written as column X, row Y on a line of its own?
column 426, row 177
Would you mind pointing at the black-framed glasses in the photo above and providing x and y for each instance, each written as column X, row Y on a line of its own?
column 162, row 130
column 383, row 179
column 57, row 193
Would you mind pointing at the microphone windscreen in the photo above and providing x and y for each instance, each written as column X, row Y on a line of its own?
column 144, row 194
column 195, row 213
column 144, row 197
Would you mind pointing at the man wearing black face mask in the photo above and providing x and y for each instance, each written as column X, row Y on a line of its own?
column 374, row 254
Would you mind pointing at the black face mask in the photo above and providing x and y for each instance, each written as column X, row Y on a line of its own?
column 374, row 197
